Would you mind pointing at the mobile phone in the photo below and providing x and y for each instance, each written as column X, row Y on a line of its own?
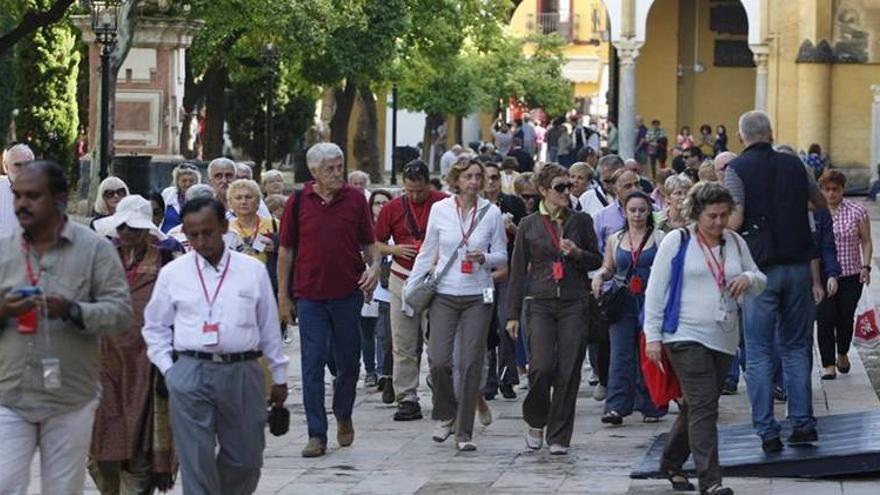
column 29, row 291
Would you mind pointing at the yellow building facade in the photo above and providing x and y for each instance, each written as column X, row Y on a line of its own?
column 813, row 65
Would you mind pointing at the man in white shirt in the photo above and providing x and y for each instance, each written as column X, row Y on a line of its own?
column 214, row 310
column 12, row 160
column 598, row 197
column 448, row 158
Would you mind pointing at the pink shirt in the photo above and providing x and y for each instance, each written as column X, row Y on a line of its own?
column 846, row 236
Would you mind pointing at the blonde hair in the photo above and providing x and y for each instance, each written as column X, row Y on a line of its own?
column 706, row 171
column 243, row 184
column 461, row 164
column 522, row 181
column 269, row 175
column 111, row 182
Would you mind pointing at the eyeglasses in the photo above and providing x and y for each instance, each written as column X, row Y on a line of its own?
column 563, row 187
column 115, row 192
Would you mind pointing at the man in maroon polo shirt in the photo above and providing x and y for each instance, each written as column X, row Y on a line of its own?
column 326, row 234
column 405, row 220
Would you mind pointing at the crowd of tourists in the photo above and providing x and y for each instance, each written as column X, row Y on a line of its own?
column 151, row 341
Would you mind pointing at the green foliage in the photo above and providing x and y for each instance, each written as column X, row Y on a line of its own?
column 46, row 65
column 7, row 84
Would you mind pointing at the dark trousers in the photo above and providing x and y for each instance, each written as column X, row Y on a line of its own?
column 599, row 342
column 322, row 323
column 701, row 372
column 834, row 318
column 557, row 343
column 368, row 344
column 502, row 359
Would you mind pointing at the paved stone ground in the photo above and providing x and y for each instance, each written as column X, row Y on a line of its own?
column 400, row 458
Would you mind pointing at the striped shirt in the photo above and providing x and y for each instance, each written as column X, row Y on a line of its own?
column 846, row 235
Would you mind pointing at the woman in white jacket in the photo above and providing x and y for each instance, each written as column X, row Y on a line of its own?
column 471, row 227
column 712, row 267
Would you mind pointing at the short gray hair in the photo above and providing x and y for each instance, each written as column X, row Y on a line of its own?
column 754, row 126
column 321, row 152
column 200, row 191
column 220, row 162
column 610, row 162
column 359, row 174
column 185, row 169
column 18, row 153
column 678, row 181
column 244, row 167
column 269, row 175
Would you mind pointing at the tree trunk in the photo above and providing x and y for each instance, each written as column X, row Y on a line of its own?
column 371, row 131
column 341, row 117
column 215, row 112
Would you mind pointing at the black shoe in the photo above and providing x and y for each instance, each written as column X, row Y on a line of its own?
column 779, row 394
column 380, row 385
column 680, row 482
column 507, row 392
column 729, row 388
column 772, row 445
column 806, row 436
column 408, row 411
column 489, row 395
column 612, row 418
column 388, row 393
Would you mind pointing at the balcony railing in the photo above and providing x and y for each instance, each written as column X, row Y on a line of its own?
column 550, row 23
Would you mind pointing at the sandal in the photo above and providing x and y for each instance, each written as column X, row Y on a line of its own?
column 680, row 482
column 717, row 489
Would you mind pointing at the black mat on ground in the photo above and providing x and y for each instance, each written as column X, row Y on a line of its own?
column 848, row 444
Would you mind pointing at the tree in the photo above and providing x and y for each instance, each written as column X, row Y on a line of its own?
column 47, row 14
column 46, row 64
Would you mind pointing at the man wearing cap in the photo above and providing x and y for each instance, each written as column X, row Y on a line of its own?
column 13, row 157
column 213, row 310
column 62, row 288
column 131, row 444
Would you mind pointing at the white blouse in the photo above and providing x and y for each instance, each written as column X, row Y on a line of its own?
column 443, row 236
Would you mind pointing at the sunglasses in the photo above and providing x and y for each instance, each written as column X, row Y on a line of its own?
column 563, row 187
column 115, row 192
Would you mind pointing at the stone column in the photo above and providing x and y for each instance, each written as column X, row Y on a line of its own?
column 761, row 53
column 875, row 129
column 627, row 52
column 814, row 94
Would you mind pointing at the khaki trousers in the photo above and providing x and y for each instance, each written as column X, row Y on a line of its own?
column 407, row 336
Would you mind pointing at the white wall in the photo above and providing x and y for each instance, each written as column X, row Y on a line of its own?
column 410, row 130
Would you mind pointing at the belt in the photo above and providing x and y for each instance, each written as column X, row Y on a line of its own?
column 235, row 357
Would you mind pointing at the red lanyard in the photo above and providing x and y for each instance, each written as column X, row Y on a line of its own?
column 32, row 279
column 715, row 265
column 636, row 253
column 211, row 300
column 554, row 236
column 466, row 235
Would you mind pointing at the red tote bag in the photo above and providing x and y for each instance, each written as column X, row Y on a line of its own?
column 662, row 384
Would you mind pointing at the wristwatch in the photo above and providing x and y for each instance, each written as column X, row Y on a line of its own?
column 867, row 267
column 74, row 314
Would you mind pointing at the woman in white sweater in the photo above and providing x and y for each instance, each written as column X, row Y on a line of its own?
column 715, row 271
column 472, row 227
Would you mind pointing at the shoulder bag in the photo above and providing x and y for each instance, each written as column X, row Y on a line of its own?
column 418, row 294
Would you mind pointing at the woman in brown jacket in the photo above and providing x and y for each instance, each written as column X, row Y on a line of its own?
column 555, row 248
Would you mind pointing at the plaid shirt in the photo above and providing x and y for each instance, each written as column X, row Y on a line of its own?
column 846, row 235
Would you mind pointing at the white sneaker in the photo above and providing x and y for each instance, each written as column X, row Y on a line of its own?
column 535, row 438
column 599, row 392
column 467, row 446
column 556, row 449
column 442, row 430
column 485, row 414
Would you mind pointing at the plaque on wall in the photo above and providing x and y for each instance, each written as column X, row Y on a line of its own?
column 733, row 53
column 855, row 31
column 728, row 18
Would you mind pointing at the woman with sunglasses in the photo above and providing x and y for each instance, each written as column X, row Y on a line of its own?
column 555, row 248
column 110, row 193
column 629, row 255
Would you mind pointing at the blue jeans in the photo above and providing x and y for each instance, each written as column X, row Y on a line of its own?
column 324, row 324
column 383, row 331
column 626, row 387
column 779, row 320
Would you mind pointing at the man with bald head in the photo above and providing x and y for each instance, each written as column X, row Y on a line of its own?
column 13, row 158
column 644, row 183
column 721, row 161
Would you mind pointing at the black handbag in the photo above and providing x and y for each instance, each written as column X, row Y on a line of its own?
column 613, row 302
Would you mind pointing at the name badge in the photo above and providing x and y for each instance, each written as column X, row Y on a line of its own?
column 51, row 373
column 27, row 322
column 558, row 271
column 488, row 296
column 210, row 334
column 259, row 243
column 467, row 266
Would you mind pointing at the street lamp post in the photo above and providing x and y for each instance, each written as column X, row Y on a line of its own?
column 105, row 22
column 394, row 134
column 270, row 57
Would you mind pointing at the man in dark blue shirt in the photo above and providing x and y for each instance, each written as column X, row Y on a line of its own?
column 772, row 193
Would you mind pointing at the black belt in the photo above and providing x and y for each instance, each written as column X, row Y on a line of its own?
column 235, row 357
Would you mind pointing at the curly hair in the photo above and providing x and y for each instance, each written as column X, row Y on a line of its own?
column 461, row 164
column 544, row 177
column 703, row 194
